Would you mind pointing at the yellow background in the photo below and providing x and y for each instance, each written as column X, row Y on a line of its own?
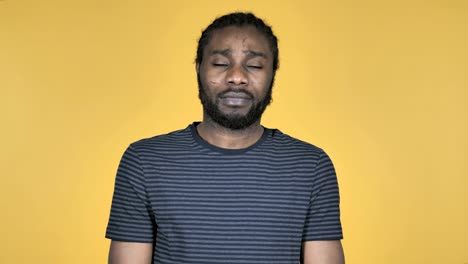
column 380, row 85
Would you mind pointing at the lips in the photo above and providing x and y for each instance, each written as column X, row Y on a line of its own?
column 236, row 95
column 235, row 99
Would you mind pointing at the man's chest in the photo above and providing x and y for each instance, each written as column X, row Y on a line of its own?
column 230, row 200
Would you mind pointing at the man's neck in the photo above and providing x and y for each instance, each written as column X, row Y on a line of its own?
column 222, row 137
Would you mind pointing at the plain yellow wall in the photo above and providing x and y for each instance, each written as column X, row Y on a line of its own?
column 380, row 85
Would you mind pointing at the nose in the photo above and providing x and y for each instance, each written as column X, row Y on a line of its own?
column 236, row 75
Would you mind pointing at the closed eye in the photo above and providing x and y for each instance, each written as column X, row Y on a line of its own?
column 255, row 66
column 220, row 64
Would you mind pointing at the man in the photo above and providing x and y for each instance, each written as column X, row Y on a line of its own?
column 227, row 189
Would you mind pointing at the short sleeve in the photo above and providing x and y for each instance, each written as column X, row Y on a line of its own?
column 130, row 218
column 323, row 216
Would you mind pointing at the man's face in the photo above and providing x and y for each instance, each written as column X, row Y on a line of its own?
column 235, row 77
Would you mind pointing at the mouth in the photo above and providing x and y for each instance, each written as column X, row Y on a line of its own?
column 235, row 99
column 236, row 95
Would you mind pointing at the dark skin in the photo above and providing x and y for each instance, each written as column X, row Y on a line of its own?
column 236, row 57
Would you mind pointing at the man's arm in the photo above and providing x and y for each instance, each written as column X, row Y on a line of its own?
column 323, row 252
column 130, row 253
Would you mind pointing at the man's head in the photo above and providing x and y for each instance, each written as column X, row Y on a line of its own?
column 237, row 58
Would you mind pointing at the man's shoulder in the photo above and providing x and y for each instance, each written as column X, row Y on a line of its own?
column 171, row 140
column 292, row 143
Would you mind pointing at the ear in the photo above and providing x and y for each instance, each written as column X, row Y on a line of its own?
column 197, row 68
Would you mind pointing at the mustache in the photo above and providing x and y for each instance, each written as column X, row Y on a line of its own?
column 231, row 90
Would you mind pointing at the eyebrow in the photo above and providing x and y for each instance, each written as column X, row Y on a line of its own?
column 249, row 53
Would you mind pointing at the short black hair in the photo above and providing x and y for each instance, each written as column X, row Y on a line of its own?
column 239, row 19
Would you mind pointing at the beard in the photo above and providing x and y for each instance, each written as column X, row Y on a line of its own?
column 234, row 121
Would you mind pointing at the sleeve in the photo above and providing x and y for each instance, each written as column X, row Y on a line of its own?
column 323, row 216
column 131, row 217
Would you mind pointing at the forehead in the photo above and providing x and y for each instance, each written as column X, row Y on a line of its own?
column 238, row 38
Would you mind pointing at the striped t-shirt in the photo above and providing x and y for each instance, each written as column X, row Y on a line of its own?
column 198, row 203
